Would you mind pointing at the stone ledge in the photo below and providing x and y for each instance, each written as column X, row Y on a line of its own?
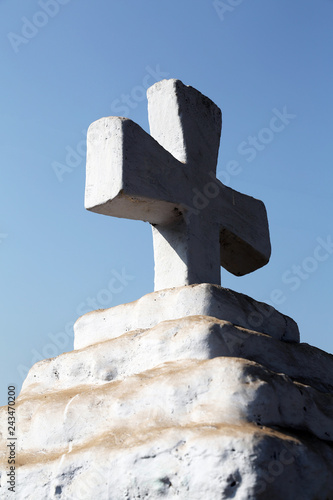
column 220, row 390
column 192, row 337
column 175, row 303
column 241, row 462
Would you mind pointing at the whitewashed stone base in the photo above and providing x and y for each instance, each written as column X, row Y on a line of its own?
column 213, row 462
column 185, row 408
column 174, row 303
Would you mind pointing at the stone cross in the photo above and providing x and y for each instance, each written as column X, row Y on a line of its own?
column 169, row 179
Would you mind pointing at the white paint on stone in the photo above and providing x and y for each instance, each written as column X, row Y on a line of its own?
column 215, row 462
column 198, row 223
column 193, row 337
column 216, row 391
column 177, row 411
column 218, row 462
column 203, row 299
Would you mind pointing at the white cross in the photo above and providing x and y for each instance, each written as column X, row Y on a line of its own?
column 169, row 179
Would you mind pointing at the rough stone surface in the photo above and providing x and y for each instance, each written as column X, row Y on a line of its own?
column 203, row 299
column 215, row 462
column 191, row 408
column 198, row 223
column 193, row 337
column 220, row 390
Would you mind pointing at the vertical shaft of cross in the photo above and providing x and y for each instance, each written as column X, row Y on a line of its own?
column 185, row 254
column 188, row 125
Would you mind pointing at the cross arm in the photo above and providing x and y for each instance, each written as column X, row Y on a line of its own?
column 244, row 232
column 130, row 175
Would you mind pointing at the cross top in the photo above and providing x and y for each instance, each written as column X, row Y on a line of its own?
column 169, row 179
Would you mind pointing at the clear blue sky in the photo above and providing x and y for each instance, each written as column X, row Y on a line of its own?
column 66, row 63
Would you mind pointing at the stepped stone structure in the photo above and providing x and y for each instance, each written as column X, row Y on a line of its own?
column 193, row 391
